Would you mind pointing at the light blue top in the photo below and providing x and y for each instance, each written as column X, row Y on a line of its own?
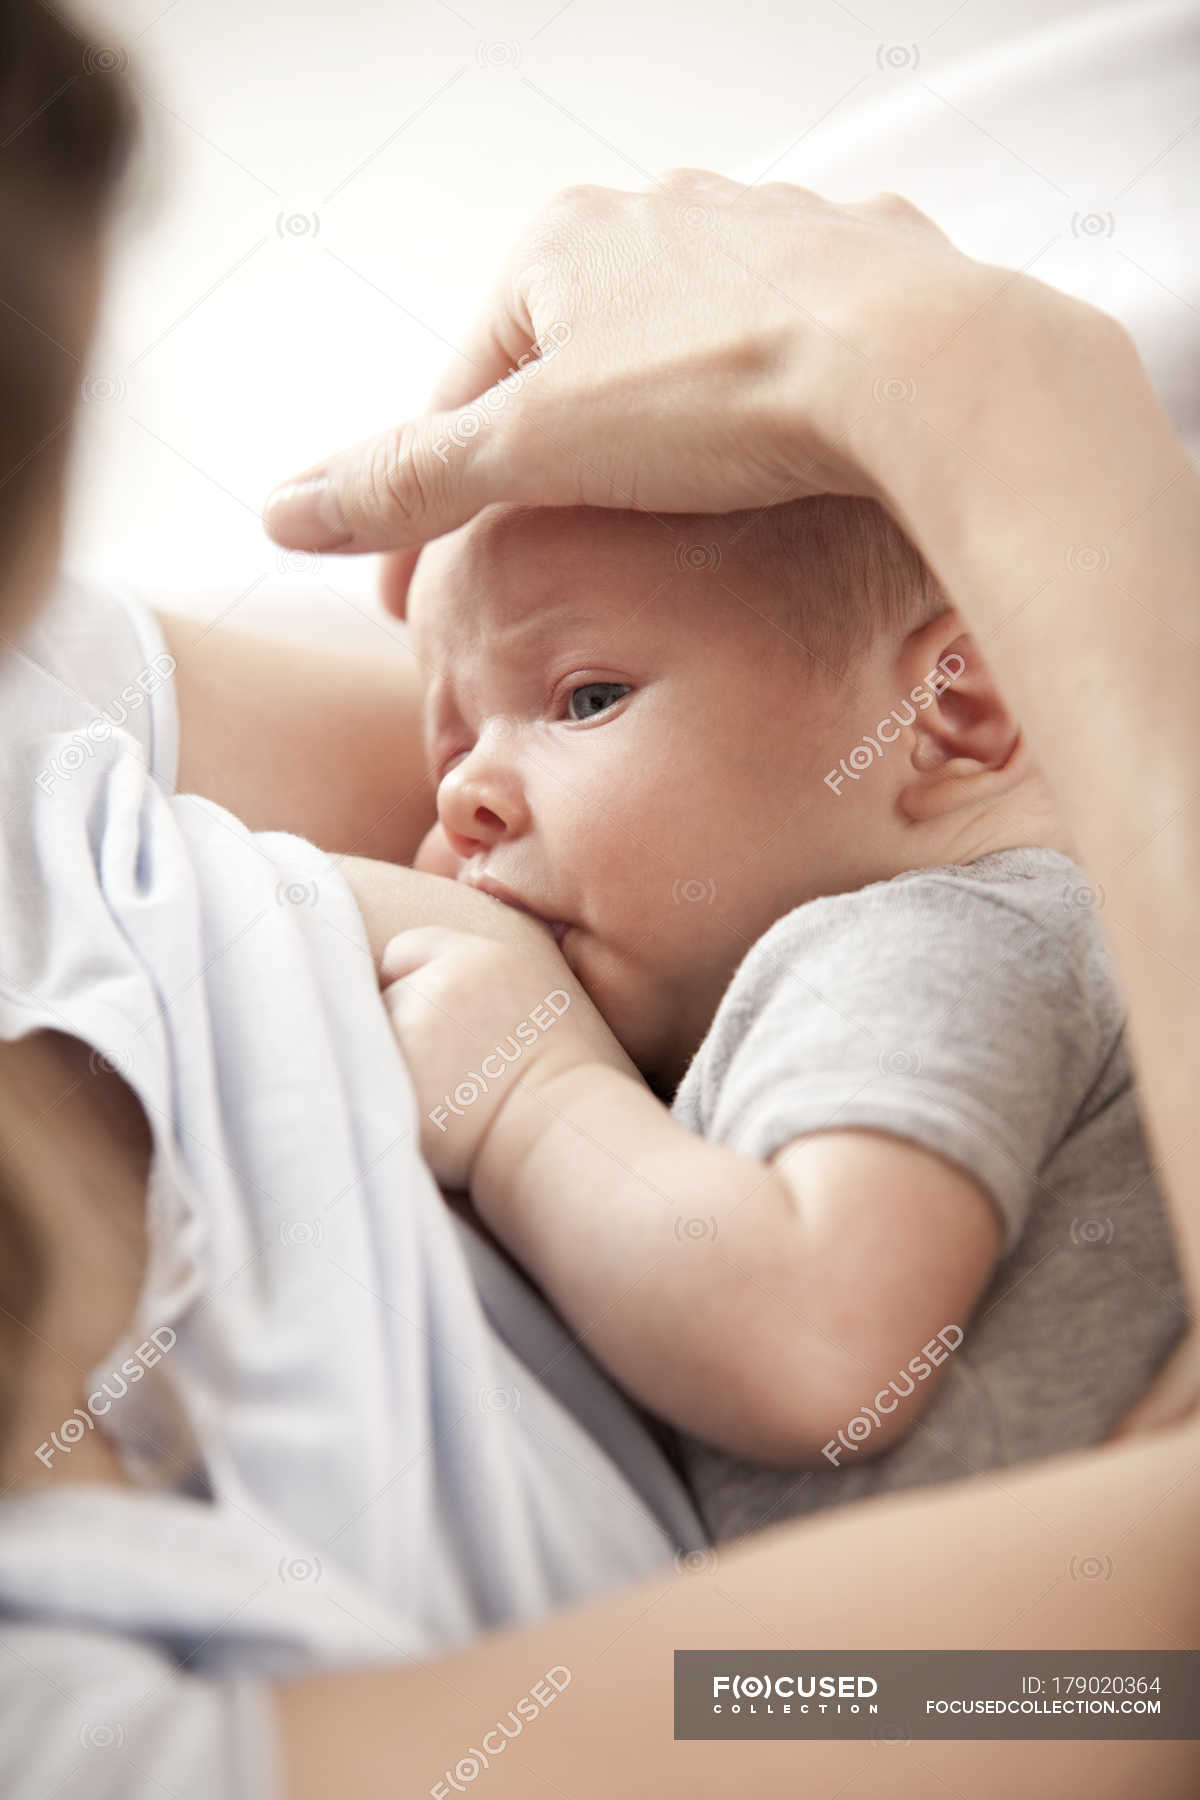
column 394, row 1445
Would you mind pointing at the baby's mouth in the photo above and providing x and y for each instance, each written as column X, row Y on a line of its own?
column 558, row 928
column 495, row 890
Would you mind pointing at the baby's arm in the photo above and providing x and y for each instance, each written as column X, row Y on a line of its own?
column 757, row 1305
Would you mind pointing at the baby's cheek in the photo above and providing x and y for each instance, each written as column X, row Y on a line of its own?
column 434, row 856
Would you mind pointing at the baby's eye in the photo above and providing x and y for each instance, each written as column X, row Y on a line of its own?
column 594, row 697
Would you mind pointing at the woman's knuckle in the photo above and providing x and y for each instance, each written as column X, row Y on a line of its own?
column 395, row 484
column 894, row 206
column 788, row 190
column 581, row 197
column 685, row 177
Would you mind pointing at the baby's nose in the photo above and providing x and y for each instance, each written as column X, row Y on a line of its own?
column 479, row 804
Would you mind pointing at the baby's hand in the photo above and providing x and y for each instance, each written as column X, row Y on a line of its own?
column 479, row 1021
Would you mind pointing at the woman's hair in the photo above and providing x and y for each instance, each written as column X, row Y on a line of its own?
column 67, row 129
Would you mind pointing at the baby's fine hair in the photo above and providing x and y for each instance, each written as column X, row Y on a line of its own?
column 838, row 569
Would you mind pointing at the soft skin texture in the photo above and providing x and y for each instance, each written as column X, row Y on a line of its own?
column 639, row 752
column 638, row 755
column 1016, row 390
column 837, row 1260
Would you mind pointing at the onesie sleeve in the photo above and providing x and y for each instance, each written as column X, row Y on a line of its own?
column 931, row 1007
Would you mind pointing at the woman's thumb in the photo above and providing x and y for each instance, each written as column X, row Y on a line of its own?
column 405, row 486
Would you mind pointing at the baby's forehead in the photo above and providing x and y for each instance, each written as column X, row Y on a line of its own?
column 518, row 567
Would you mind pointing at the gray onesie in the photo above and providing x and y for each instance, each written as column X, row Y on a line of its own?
column 973, row 1010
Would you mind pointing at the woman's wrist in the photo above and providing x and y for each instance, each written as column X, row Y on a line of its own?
column 1024, row 451
column 1044, row 483
column 976, row 380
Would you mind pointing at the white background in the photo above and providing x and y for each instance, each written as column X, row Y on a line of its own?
column 330, row 185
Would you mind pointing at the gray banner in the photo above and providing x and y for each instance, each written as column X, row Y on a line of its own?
column 901, row 1695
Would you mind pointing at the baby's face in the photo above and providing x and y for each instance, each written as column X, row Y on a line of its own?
column 632, row 751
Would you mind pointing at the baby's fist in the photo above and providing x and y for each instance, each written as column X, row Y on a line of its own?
column 478, row 1021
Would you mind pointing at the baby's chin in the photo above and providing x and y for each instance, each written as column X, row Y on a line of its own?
column 639, row 1011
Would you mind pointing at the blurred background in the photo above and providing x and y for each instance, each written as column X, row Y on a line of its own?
column 329, row 189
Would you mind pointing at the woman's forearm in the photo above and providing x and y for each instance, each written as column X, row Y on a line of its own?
column 1046, row 486
column 290, row 737
column 1041, row 478
column 992, row 1563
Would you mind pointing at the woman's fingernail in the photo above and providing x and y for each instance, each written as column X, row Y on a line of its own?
column 306, row 515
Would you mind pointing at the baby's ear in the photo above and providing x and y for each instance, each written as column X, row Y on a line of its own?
column 962, row 726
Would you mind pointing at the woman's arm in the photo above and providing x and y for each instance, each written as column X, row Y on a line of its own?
column 854, row 349
column 294, row 738
column 1047, row 488
column 804, row 323
column 992, row 1563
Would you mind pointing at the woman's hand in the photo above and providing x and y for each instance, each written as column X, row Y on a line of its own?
column 480, row 1021
column 701, row 347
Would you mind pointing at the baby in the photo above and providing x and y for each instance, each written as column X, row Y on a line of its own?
column 884, row 1214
